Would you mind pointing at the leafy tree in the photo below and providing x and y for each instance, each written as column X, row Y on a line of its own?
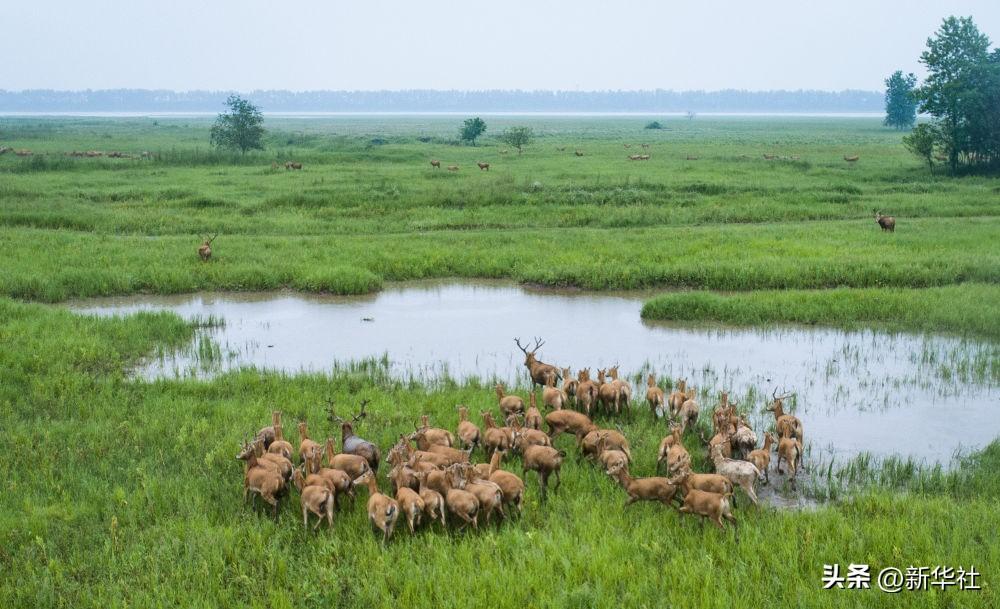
column 241, row 128
column 654, row 125
column 921, row 142
column 471, row 129
column 900, row 105
column 517, row 137
column 959, row 65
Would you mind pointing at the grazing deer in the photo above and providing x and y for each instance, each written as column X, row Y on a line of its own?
column 578, row 152
column 483, row 166
column 436, row 164
column 852, row 159
column 205, row 250
column 351, row 442
column 888, row 223
column 452, row 167
column 509, row 404
column 292, row 165
column 634, row 157
column 537, row 369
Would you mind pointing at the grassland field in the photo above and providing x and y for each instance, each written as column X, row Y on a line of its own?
column 123, row 492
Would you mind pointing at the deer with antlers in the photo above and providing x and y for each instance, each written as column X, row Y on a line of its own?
column 537, row 369
column 785, row 424
column 352, row 443
column 888, row 223
column 205, row 249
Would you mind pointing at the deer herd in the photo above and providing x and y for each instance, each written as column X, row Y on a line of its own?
column 433, row 481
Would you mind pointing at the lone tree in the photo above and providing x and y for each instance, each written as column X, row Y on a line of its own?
column 921, row 142
column 962, row 93
column 239, row 129
column 517, row 137
column 900, row 105
column 471, row 129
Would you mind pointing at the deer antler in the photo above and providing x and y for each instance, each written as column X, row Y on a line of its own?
column 332, row 415
column 361, row 413
column 538, row 344
column 212, row 238
column 518, row 342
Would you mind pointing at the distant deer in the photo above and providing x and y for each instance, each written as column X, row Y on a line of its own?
column 852, row 159
column 452, row 167
column 888, row 223
column 578, row 152
column 205, row 250
column 484, row 166
column 291, row 165
column 436, row 164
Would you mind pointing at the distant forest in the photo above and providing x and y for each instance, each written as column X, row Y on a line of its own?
column 422, row 100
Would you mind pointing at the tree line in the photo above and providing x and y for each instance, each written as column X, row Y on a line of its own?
column 961, row 94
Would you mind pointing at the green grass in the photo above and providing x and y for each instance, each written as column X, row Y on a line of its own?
column 122, row 492
column 125, row 492
column 967, row 309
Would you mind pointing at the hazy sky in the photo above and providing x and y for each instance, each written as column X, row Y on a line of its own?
column 445, row 44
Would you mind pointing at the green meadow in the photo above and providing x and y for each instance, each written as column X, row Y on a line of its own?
column 124, row 492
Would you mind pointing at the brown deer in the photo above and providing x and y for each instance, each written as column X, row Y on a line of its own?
column 436, row 164
column 552, row 396
column 383, row 510
column 784, row 422
column 677, row 397
column 586, row 391
column 292, row 165
column 261, row 479
column 852, row 159
column 467, row 431
column 509, row 404
column 888, row 223
column 609, row 394
column 570, row 384
column 452, row 168
column 654, row 395
column 205, row 250
column 483, row 166
column 533, row 418
column 546, row 461
column 536, row 368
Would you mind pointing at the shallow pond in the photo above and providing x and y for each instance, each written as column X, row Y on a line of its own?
column 912, row 395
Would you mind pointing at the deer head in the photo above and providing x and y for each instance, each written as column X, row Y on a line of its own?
column 529, row 356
